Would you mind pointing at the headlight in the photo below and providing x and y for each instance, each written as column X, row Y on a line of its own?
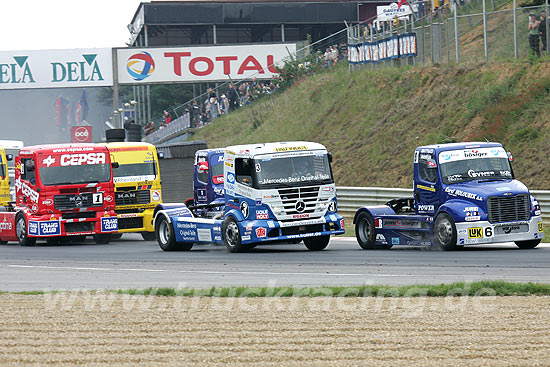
column 277, row 209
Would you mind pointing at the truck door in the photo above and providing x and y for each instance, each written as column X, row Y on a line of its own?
column 426, row 188
column 202, row 177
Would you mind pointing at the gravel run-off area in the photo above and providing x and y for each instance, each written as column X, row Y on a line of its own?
column 105, row 329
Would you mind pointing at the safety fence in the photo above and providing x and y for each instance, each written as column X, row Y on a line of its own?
column 175, row 128
column 352, row 198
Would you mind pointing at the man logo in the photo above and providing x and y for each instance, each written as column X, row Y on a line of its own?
column 140, row 65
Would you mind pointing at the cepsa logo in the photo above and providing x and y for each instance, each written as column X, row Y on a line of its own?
column 82, row 158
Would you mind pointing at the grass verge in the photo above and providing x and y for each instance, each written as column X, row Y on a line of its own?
column 482, row 288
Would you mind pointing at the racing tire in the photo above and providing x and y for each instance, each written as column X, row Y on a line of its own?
column 21, row 231
column 526, row 245
column 102, row 239
column 149, row 236
column 164, row 233
column 231, row 236
column 317, row 243
column 366, row 233
column 133, row 127
column 444, row 233
column 115, row 135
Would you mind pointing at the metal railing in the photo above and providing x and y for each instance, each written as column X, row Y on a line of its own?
column 175, row 128
column 352, row 198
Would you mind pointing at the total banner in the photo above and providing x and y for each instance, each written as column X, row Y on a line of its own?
column 200, row 63
column 56, row 68
column 403, row 45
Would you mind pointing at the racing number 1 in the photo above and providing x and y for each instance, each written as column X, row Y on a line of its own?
column 97, row 198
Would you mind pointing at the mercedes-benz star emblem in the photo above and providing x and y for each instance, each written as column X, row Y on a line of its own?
column 300, row 206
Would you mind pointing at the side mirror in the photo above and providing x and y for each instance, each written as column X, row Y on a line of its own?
column 203, row 167
column 161, row 155
column 9, row 157
column 329, row 155
column 510, row 156
column 115, row 165
column 29, row 166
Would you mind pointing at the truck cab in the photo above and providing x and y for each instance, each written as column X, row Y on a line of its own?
column 274, row 192
column 137, row 186
column 11, row 149
column 5, row 196
column 464, row 194
column 62, row 190
column 208, row 176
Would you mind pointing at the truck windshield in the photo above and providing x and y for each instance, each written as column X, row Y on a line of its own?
column 216, row 165
column 66, row 175
column 273, row 171
column 474, row 164
column 134, row 172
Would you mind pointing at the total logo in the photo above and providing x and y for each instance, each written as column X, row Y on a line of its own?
column 140, row 65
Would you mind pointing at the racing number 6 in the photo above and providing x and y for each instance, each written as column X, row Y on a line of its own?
column 97, row 198
column 488, row 232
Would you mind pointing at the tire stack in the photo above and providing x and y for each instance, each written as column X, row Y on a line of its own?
column 133, row 131
column 114, row 135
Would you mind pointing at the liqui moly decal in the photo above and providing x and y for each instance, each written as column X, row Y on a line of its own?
column 201, row 63
column 26, row 190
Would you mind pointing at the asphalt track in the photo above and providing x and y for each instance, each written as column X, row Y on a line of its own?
column 133, row 263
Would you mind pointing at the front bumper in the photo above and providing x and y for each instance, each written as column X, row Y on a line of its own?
column 136, row 222
column 472, row 233
column 45, row 226
column 266, row 230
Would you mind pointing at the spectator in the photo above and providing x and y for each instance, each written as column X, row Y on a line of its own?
column 326, row 57
column 233, row 98
column 166, row 118
column 213, row 109
column 204, row 118
column 533, row 28
column 224, row 104
column 149, row 128
column 195, row 113
column 542, row 29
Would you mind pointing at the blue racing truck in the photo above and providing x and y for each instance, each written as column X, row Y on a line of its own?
column 464, row 194
column 275, row 192
column 208, row 177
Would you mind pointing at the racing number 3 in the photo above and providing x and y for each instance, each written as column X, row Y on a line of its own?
column 97, row 198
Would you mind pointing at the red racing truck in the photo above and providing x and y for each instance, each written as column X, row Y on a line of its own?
column 63, row 192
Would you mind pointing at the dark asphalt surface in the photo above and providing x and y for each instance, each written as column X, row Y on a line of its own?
column 134, row 263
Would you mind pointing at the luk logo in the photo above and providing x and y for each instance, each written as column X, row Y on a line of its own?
column 16, row 73
column 140, row 65
column 75, row 71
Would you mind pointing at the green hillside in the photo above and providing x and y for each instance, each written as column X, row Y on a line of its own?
column 373, row 119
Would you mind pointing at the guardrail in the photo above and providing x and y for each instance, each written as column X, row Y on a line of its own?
column 352, row 198
column 173, row 129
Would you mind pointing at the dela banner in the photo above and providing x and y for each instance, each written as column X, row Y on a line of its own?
column 56, row 68
column 200, row 64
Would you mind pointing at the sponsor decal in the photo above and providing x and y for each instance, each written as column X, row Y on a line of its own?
column 248, row 228
column 49, row 228
column 108, row 198
column 288, row 149
column 503, row 188
column 128, row 215
column 184, row 225
column 33, row 228
column 333, row 217
column 231, row 177
column 461, row 242
column 536, row 235
column 395, row 241
column 415, row 156
column 328, row 189
column 81, row 134
column 261, row 232
column 464, row 194
column 381, row 239
column 34, row 208
column 259, row 201
column 427, row 150
column 541, row 227
column 5, row 225
column 82, row 158
column 377, row 222
column 298, row 216
column 258, row 167
column 262, row 214
column 204, row 234
column 244, row 209
column 472, row 218
column 475, row 232
column 48, row 161
column 140, row 65
column 245, row 238
column 26, row 190
column 402, row 223
column 427, row 188
column 474, row 153
column 318, row 177
column 109, row 224
column 426, row 208
column 271, row 224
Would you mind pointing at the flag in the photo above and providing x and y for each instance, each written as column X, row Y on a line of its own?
column 402, row 2
column 82, row 107
column 62, row 110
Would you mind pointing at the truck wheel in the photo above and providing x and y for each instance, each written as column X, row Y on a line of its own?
column 444, row 232
column 232, row 236
column 102, row 239
column 525, row 245
column 316, row 243
column 164, row 233
column 21, row 231
column 366, row 233
column 149, row 236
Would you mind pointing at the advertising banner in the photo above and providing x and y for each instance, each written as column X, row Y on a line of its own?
column 56, row 68
column 389, row 12
column 81, row 134
column 200, row 63
column 394, row 47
